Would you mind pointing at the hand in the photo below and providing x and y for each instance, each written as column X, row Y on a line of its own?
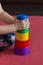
column 26, row 24
column 22, row 24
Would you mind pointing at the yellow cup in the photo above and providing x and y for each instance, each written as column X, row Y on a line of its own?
column 22, row 37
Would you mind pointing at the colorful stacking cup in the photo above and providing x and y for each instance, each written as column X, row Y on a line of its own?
column 23, row 31
column 21, row 44
column 21, row 51
column 22, row 38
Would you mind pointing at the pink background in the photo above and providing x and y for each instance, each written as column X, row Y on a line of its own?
column 35, row 57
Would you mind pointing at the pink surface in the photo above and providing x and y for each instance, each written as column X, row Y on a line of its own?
column 35, row 57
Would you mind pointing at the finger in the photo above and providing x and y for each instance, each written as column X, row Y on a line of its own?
column 19, row 27
column 28, row 24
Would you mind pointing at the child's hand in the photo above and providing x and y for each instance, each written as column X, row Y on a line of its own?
column 23, row 24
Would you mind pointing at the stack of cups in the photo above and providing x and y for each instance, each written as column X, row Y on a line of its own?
column 22, row 38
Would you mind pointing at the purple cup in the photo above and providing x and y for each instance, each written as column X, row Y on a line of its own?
column 21, row 51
